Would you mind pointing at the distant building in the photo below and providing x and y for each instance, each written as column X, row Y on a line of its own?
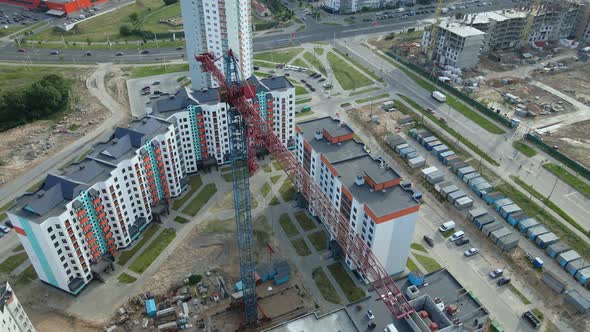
column 57, row 7
column 503, row 28
column 554, row 22
column 260, row 8
column 217, row 26
column 456, row 44
column 364, row 188
column 13, row 317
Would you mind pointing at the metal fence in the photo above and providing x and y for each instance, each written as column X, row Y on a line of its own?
column 459, row 94
column 574, row 165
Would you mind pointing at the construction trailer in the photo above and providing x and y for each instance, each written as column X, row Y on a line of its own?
column 416, row 162
column 461, row 172
column 437, row 150
column 526, row 224
column 501, row 202
column 583, row 275
column 574, row 266
column 470, row 176
column 554, row 282
column 499, row 233
column 463, row 203
column 508, row 242
column 435, row 177
column 515, row 218
column 565, row 257
column 533, row 232
column 481, row 189
column 438, row 187
column 557, row 248
column 475, row 181
column 507, row 210
column 458, row 165
column 475, row 213
column 489, row 228
column 444, row 192
column 443, row 156
column 491, row 197
column 578, row 300
column 544, row 240
column 479, row 222
column 452, row 197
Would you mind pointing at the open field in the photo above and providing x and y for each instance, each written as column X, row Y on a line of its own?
column 126, row 279
column 304, row 221
column 287, row 225
column 143, row 71
column 126, row 255
column 348, row 77
column 319, row 240
column 315, row 62
column 12, row 262
column 300, row 247
column 352, row 292
column 524, row 148
column 573, row 141
column 429, row 263
column 147, row 257
column 575, row 81
column 280, row 56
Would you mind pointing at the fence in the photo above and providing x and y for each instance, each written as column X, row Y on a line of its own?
column 427, row 75
column 574, row 165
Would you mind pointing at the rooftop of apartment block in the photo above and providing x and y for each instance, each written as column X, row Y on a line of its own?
column 337, row 320
column 460, row 29
column 350, row 159
column 271, row 83
column 5, row 294
column 167, row 104
column 439, row 286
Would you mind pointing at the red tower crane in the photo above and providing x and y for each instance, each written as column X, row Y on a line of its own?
column 259, row 133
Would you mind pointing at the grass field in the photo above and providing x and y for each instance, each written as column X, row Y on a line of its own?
column 524, row 148
column 428, row 263
column 350, row 289
column 361, row 67
column 267, row 168
column 135, row 72
column 194, row 183
column 348, row 77
column 181, row 220
column 287, row 191
column 319, row 240
column 373, row 98
column 418, row 246
column 325, row 286
column 152, row 21
column 147, row 257
column 126, row 255
column 12, row 262
column 573, row 180
column 275, row 201
column 18, row 248
column 275, row 178
column 287, row 225
column 12, row 77
column 300, row 247
column 315, row 62
column 200, row 200
column 304, row 221
column 411, row 266
column 276, row 165
column 266, row 188
column 281, row 56
column 318, row 51
column 25, row 277
column 302, row 101
column 126, row 279
column 518, row 294
column 299, row 63
column 300, row 90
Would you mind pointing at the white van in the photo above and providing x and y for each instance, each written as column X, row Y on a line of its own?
column 457, row 235
column 446, row 226
column 390, row 328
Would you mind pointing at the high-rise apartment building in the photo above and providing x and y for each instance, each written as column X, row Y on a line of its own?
column 455, row 44
column 13, row 317
column 365, row 190
column 217, row 26
column 95, row 207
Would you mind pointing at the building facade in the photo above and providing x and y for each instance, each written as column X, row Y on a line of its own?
column 80, row 218
column 365, row 190
column 217, row 26
column 503, row 28
column 64, row 6
column 456, row 44
column 13, row 317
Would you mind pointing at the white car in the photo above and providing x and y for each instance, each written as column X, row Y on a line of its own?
column 4, row 229
column 457, row 235
column 496, row 273
column 471, row 252
column 370, row 315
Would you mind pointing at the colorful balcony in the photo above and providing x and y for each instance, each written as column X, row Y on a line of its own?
column 96, row 254
column 89, row 234
column 86, row 228
column 81, row 213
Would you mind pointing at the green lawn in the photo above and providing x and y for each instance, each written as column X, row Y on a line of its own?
column 538, row 313
column 125, row 255
column 315, row 62
column 287, row 191
column 281, row 56
column 144, row 71
column 319, row 240
column 181, row 220
column 518, row 294
column 126, row 278
column 266, row 188
column 418, row 246
column 12, row 77
column 194, row 183
column 18, row 248
column 147, row 257
column 152, row 22
column 304, row 221
column 275, row 178
column 263, row 64
column 348, row 77
column 195, row 205
column 428, row 263
column 276, row 165
column 449, row 130
column 548, row 203
column 302, row 101
column 373, row 98
column 275, row 201
column 300, row 247
column 300, row 90
column 524, row 148
column 360, row 92
column 411, row 266
column 318, row 50
column 299, row 63
column 350, row 289
column 267, row 168
column 572, row 179
column 325, row 286
column 287, row 225
column 361, row 67
column 12, row 262
column 25, row 277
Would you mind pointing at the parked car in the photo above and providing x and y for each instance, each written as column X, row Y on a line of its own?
column 322, row 80
column 157, row 92
column 503, row 281
column 461, row 242
column 5, row 229
column 303, row 81
column 256, row 67
column 8, row 223
column 54, row 52
column 428, row 240
column 22, row 50
column 471, row 252
column 532, row 319
column 119, row 54
column 145, row 52
column 88, row 53
column 456, row 236
column 370, row 314
column 180, row 48
column 496, row 273
column 156, row 83
column 312, row 89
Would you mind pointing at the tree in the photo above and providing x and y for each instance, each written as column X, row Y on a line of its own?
column 134, row 17
column 170, row 2
column 126, row 30
column 194, row 279
column 88, row 40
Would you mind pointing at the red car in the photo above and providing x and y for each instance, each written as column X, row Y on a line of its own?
column 22, row 50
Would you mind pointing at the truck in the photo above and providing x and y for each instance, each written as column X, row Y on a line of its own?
column 439, row 96
column 387, row 105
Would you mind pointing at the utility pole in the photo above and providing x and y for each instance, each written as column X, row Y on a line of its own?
column 549, row 196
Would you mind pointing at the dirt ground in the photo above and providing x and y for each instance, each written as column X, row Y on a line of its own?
column 56, row 321
column 574, row 81
column 573, row 141
column 406, row 43
column 28, row 145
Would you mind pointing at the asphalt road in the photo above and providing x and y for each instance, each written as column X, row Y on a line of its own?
column 314, row 32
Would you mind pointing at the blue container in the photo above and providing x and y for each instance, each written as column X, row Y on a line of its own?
column 416, row 278
column 567, row 256
column 150, row 307
column 507, row 210
column 281, row 278
column 491, row 197
column 514, row 218
column 501, row 202
column 577, row 264
column 557, row 248
column 527, row 223
column 583, row 275
column 538, row 263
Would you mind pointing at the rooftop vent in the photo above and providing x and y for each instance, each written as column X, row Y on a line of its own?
column 114, row 141
column 318, row 135
column 384, row 190
column 383, row 164
column 359, row 180
column 82, row 166
column 144, row 121
column 41, row 194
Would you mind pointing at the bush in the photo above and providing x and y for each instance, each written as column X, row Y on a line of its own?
column 170, row 2
column 126, row 30
column 134, row 17
column 194, row 279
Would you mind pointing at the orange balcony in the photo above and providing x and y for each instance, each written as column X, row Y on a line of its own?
column 106, row 229
column 86, row 228
column 102, row 215
column 92, row 241
column 111, row 241
column 96, row 201
column 99, row 208
column 96, row 254
column 89, row 234
column 81, row 212
column 104, row 222
column 108, row 235
column 83, row 220
column 93, row 249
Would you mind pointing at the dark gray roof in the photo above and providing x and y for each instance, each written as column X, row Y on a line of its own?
column 166, row 105
column 88, row 171
column 205, row 96
column 330, row 125
column 276, row 83
column 338, row 152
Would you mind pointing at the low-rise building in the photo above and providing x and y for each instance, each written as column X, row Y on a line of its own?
column 455, row 44
column 365, row 190
column 13, row 317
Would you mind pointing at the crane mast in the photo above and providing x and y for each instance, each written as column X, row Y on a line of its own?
column 253, row 132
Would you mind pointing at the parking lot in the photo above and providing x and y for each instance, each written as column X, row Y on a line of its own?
column 15, row 18
column 166, row 83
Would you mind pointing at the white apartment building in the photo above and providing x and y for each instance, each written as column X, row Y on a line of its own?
column 456, row 44
column 365, row 190
column 100, row 204
column 217, row 26
column 13, row 317
column 503, row 28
